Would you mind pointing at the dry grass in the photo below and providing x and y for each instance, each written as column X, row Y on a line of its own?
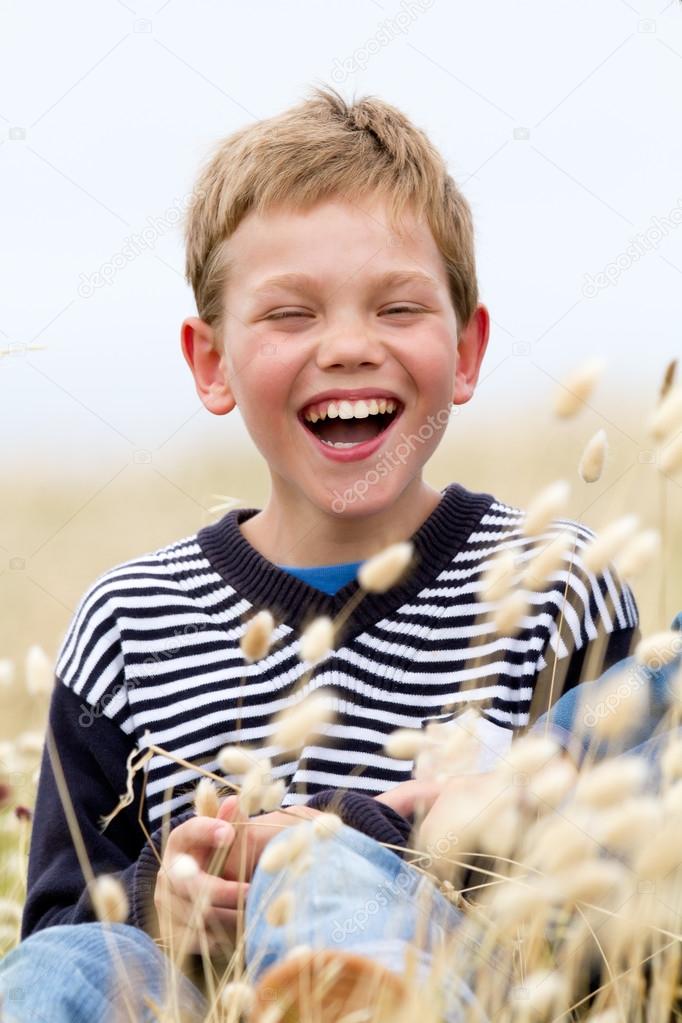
column 556, row 899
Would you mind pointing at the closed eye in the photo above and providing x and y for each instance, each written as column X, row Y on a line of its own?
column 402, row 309
column 286, row 314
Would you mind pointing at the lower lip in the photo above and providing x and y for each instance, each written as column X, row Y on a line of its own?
column 356, row 453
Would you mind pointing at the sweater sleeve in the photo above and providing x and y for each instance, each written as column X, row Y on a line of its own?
column 364, row 813
column 92, row 751
column 594, row 624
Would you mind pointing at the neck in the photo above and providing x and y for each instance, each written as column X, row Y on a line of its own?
column 299, row 534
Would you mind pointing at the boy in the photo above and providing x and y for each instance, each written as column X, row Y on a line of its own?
column 332, row 261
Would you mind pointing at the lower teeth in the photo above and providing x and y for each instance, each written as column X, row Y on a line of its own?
column 341, row 443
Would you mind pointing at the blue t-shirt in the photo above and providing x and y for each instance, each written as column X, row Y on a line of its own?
column 328, row 578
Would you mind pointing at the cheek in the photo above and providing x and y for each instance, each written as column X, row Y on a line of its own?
column 432, row 364
column 262, row 386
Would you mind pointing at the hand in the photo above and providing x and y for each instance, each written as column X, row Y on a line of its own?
column 411, row 797
column 187, row 906
column 254, row 834
column 460, row 802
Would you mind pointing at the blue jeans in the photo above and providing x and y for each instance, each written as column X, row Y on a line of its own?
column 356, row 896
column 84, row 973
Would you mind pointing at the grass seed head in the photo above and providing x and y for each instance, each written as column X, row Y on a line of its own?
column 39, row 672
column 183, row 867
column 595, row 881
column 668, row 380
column 672, row 799
column 611, row 781
column 326, row 825
column 257, row 637
column 659, row 649
column 544, row 507
column 547, row 561
column 638, row 553
column 512, row 608
column 235, row 760
column 236, row 999
column 280, row 910
column 283, row 853
column 625, row 697
column 296, row 725
column 670, row 459
column 206, row 800
column 671, row 761
column 627, row 826
column 606, row 545
column 668, row 415
column 253, row 789
column 531, row 753
column 541, row 992
column 385, row 569
column 273, row 795
column 593, row 459
column 504, row 836
column 660, row 859
column 405, row 743
column 513, row 903
column 7, row 673
column 317, row 639
column 548, row 787
column 109, row 899
column 497, row 579
column 556, row 842
column 577, row 388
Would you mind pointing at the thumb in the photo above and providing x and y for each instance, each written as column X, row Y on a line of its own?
column 229, row 808
column 200, row 836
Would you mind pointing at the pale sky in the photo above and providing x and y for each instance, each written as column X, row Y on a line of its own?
column 559, row 120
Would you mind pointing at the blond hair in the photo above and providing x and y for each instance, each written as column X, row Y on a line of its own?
column 320, row 149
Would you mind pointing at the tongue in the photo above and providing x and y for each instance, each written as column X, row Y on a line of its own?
column 349, row 430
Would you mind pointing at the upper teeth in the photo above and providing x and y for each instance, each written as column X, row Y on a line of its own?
column 350, row 409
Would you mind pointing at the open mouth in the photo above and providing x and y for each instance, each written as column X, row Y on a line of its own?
column 345, row 424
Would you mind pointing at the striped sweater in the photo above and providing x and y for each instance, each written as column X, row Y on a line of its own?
column 152, row 655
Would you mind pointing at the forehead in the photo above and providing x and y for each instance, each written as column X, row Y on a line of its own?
column 333, row 242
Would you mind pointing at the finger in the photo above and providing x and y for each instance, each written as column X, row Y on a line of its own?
column 188, row 916
column 212, row 890
column 222, row 894
column 200, row 837
column 229, row 808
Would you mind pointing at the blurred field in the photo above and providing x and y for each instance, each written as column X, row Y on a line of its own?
column 59, row 534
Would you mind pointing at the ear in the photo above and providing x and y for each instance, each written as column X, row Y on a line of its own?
column 473, row 341
column 201, row 350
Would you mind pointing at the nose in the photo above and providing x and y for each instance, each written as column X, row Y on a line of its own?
column 350, row 345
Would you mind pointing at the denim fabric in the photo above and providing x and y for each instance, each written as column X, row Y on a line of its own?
column 70, row 973
column 588, row 700
column 358, row 897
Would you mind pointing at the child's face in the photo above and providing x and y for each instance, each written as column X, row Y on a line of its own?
column 346, row 330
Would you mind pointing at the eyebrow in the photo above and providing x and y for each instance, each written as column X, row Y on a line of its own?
column 302, row 281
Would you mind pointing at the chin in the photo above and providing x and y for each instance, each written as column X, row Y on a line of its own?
column 359, row 499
